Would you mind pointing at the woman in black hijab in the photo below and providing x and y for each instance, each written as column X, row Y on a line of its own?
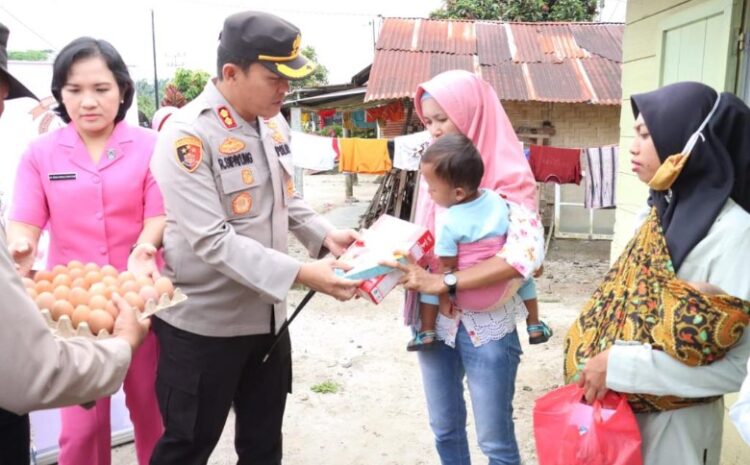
column 699, row 219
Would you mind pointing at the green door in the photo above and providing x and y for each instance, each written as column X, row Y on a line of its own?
column 700, row 44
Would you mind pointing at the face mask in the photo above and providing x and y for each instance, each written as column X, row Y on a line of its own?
column 667, row 173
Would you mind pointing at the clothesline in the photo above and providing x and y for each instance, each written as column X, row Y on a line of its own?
column 377, row 156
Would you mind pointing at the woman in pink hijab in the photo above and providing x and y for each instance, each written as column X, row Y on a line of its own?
column 481, row 346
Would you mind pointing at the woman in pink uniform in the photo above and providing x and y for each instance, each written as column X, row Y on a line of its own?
column 90, row 186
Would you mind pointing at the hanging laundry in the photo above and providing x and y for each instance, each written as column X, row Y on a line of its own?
column 360, row 122
column 601, row 173
column 312, row 152
column 364, row 156
column 394, row 111
column 408, row 150
column 554, row 164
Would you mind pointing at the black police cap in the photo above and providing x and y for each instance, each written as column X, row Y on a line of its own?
column 266, row 39
column 16, row 88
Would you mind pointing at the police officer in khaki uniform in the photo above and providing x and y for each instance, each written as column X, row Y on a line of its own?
column 38, row 370
column 224, row 166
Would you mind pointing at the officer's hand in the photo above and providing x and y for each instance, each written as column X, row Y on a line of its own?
column 127, row 324
column 338, row 240
column 23, row 253
column 142, row 261
column 319, row 276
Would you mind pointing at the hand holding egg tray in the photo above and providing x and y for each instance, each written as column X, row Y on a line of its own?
column 75, row 300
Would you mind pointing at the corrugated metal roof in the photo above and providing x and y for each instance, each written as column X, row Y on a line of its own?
column 492, row 44
column 605, row 78
column 507, row 80
column 550, row 62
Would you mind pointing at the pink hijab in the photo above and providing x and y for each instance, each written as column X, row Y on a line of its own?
column 474, row 108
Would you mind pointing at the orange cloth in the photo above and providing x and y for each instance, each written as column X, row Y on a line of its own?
column 368, row 156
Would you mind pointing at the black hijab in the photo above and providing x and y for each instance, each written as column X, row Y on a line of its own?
column 718, row 167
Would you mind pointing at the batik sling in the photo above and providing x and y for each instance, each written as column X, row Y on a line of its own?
column 641, row 299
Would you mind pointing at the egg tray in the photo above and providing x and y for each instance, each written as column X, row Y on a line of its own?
column 64, row 326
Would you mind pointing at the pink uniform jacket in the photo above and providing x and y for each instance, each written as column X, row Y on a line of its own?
column 94, row 213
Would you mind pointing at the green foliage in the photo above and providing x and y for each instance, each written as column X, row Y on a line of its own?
column 334, row 130
column 318, row 78
column 144, row 91
column 518, row 10
column 29, row 55
column 190, row 83
column 326, row 387
column 468, row 9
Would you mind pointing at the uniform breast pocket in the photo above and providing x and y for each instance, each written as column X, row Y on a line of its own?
column 240, row 192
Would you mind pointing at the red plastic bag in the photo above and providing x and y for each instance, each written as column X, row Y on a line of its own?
column 570, row 432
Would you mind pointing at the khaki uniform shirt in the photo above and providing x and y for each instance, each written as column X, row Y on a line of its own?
column 230, row 204
column 39, row 371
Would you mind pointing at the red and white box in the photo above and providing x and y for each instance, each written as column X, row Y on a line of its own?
column 383, row 240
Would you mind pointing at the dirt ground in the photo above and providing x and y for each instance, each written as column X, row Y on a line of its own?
column 377, row 414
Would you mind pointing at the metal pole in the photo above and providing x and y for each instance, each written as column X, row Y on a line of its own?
column 153, row 46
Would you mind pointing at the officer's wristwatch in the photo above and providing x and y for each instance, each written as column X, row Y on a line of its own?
column 450, row 280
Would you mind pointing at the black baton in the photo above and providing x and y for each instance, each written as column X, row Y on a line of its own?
column 285, row 326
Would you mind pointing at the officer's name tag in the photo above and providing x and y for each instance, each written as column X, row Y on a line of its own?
column 63, row 176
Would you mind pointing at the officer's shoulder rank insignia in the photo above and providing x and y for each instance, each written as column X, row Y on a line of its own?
column 189, row 152
column 231, row 145
column 226, row 117
column 242, row 203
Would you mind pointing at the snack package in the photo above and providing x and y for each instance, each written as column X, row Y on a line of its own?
column 388, row 238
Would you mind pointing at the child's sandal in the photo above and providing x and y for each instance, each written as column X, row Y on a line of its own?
column 423, row 340
column 546, row 333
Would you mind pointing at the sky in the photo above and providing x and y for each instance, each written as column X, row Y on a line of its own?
column 342, row 31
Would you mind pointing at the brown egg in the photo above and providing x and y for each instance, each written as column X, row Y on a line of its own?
column 109, row 270
column 144, row 281
column 164, row 286
column 125, row 276
column 62, row 279
column 135, row 300
column 61, row 292
column 80, row 314
column 114, row 289
column 45, row 300
column 43, row 275
column 28, row 283
column 90, row 267
column 59, row 269
column 60, row 308
column 76, row 273
column 93, row 277
column 32, row 293
column 75, row 264
column 110, row 280
column 99, row 320
column 129, row 286
column 43, row 286
column 79, row 282
column 149, row 293
column 101, row 289
column 111, row 308
column 79, row 296
column 97, row 301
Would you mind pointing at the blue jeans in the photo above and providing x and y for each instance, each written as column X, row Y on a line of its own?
column 491, row 372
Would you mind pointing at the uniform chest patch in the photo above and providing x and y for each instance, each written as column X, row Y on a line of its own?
column 247, row 176
column 231, row 145
column 242, row 203
column 189, row 152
